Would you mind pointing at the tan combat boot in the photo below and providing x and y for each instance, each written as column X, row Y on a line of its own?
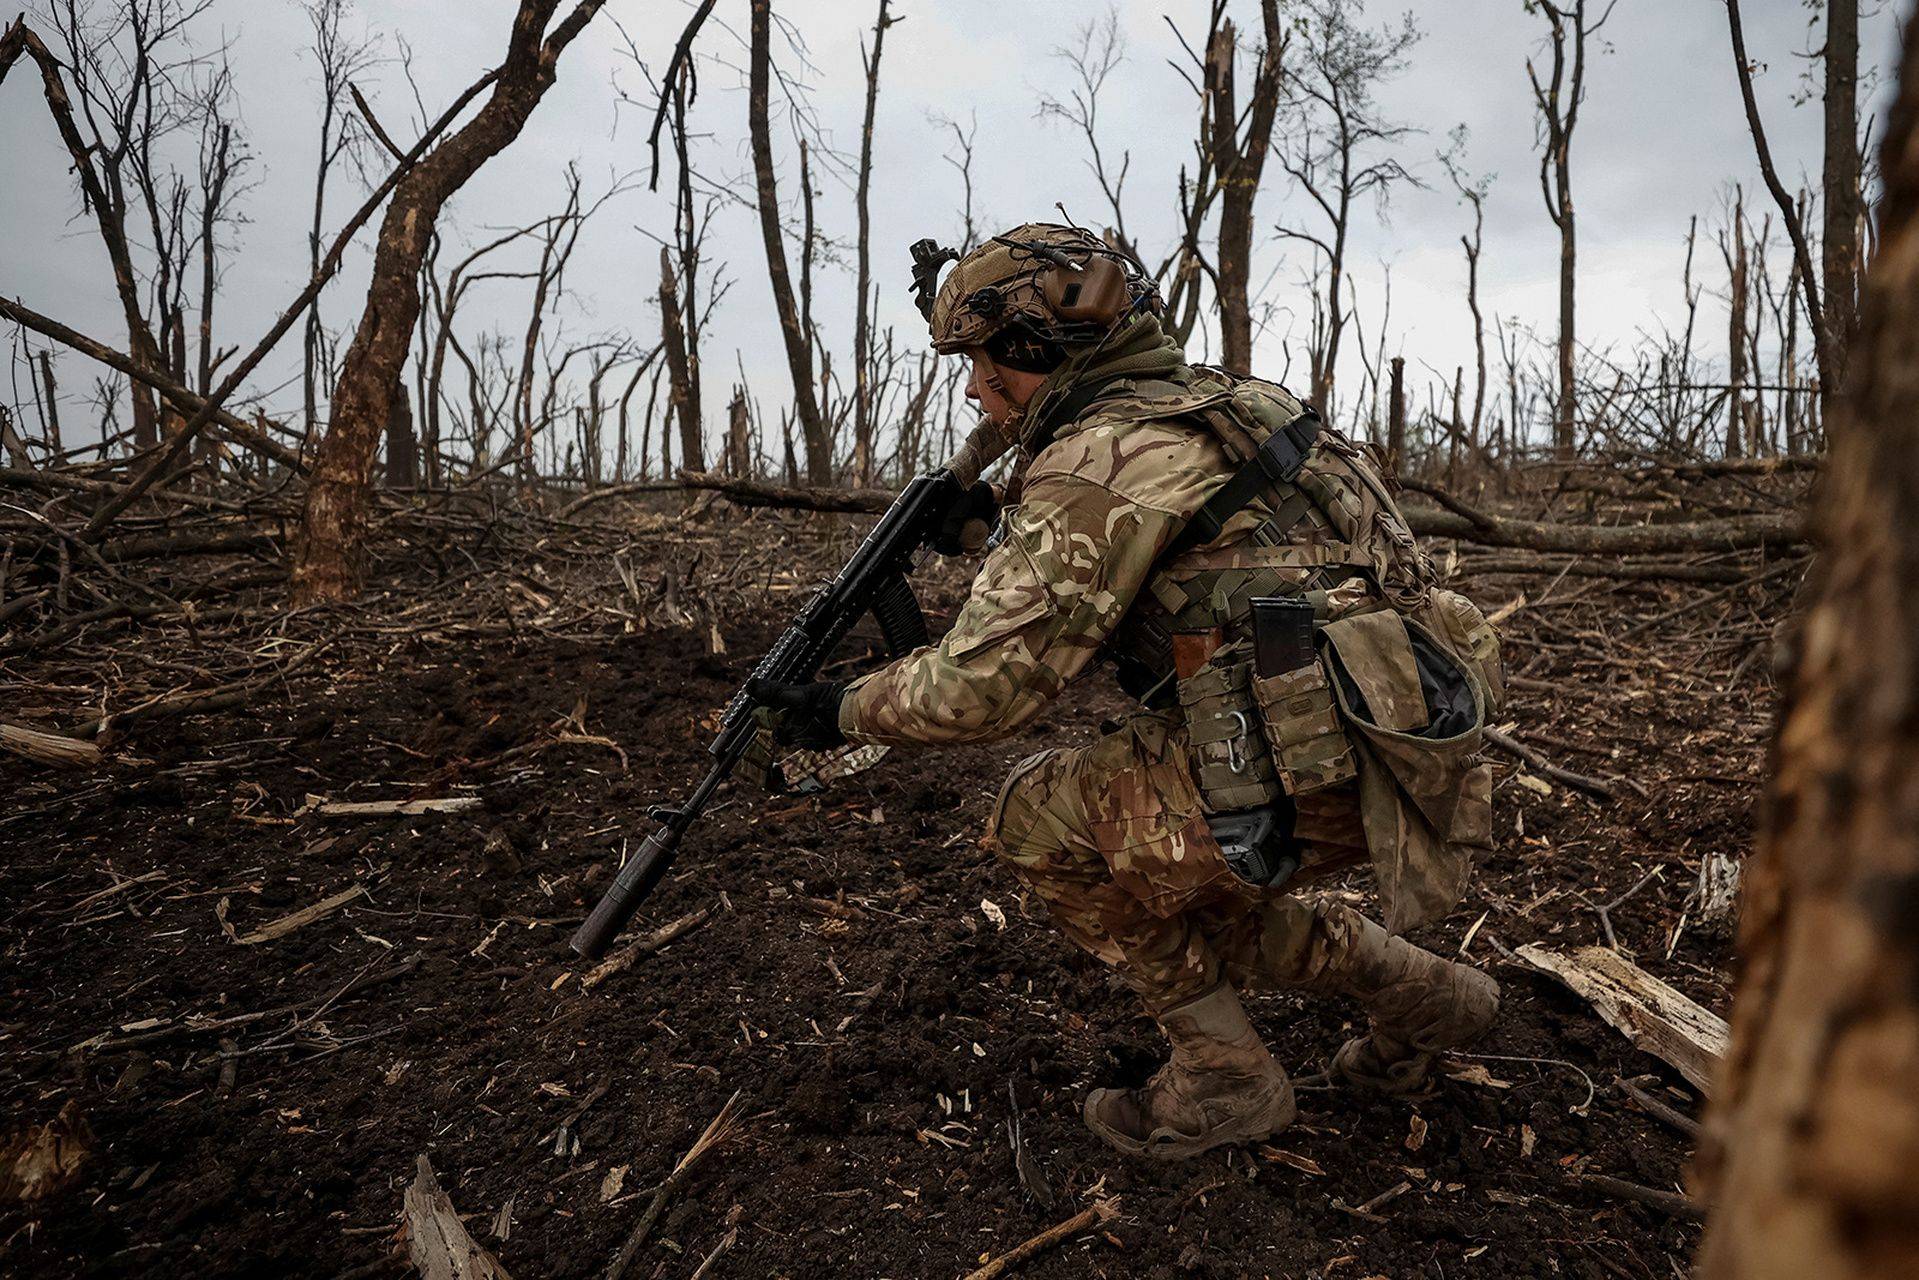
column 1419, row 1004
column 1219, row 1086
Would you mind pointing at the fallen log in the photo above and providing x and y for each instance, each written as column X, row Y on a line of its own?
column 716, row 1132
column 755, row 493
column 1732, row 533
column 1646, row 570
column 1670, row 1203
column 1652, row 1015
column 644, row 946
column 631, row 487
column 49, row 748
column 1513, row 747
column 60, row 482
column 1470, row 524
column 389, row 808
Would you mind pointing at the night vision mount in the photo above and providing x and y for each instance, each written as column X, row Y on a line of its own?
column 928, row 257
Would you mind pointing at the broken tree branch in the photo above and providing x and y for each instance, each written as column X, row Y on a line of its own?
column 718, row 1131
column 1085, row 1220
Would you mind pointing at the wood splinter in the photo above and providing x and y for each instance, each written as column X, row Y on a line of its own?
column 1086, row 1219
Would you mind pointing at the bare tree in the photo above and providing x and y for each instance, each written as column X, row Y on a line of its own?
column 127, row 63
column 1814, row 1129
column 1557, row 101
column 684, row 395
column 863, row 391
column 327, row 564
column 1337, row 146
column 558, row 237
column 799, row 359
column 224, row 159
column 1472, row 189
column 1100, row 51
column 1842, row 201
column 1732, row 246
column 341, row 57
column 1238, row 140
column 1789, row 211
column 442, row 301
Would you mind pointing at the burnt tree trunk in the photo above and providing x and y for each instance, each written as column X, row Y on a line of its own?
column 1839, row 181
column 1815, row 1127
column 54, row 448
column 1737, row 297
column 1396, row 414
column 739, row 450
column 799, row 357
column 327, row 564
column 685, row 392
column 862, row 319
column 402, row 455
column 1239, row 165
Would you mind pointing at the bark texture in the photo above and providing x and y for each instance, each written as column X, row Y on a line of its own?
column 1816, row 1131
column 327, row 564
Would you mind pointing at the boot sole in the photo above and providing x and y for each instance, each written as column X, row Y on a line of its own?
column 1170, row 1144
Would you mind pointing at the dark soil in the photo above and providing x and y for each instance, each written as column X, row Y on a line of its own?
column 880, row 1044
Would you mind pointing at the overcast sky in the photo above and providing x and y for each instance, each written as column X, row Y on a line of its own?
column 1662, row 137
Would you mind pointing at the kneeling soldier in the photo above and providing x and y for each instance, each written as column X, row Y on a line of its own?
column 1312, row 698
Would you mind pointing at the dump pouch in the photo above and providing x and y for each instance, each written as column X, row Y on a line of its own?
column 1230, row 760
column 1421, row 712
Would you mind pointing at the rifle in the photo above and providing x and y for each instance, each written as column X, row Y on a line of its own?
column 875, row 580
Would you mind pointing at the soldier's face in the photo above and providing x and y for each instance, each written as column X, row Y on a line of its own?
column 998, row 391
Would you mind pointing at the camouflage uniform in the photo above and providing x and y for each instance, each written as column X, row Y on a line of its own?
column 1113, row 837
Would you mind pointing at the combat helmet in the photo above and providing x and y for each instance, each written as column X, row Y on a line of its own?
column 1028, row 294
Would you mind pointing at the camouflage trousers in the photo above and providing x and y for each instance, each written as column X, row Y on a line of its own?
column 1111, row 837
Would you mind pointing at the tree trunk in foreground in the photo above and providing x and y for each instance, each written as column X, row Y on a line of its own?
column 1815, row 1132
column 327, row 562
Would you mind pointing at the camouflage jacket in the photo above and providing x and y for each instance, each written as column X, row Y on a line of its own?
column 1099, row 505
column 1085, row 566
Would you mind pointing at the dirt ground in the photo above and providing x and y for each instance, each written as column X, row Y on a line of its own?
column 885, row 997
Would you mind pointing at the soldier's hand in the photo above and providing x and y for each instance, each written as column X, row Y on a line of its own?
column 804, row 715
column 969, row 521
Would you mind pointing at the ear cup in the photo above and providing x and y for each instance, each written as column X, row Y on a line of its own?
column 1095, row 294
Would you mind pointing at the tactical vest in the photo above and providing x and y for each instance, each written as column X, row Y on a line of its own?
column 1407, row 674
column 1334, row 536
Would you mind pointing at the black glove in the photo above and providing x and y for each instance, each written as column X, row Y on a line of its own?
column 804, row 715
column 968, row 521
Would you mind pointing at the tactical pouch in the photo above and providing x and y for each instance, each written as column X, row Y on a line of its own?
column 1303, row 730
column 1422, row 712
column 1231, row 762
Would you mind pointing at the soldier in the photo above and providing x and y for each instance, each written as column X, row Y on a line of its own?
column 1151, row 503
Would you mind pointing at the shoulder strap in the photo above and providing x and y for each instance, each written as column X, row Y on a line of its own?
column 1067, row 408
column 1278, row 461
